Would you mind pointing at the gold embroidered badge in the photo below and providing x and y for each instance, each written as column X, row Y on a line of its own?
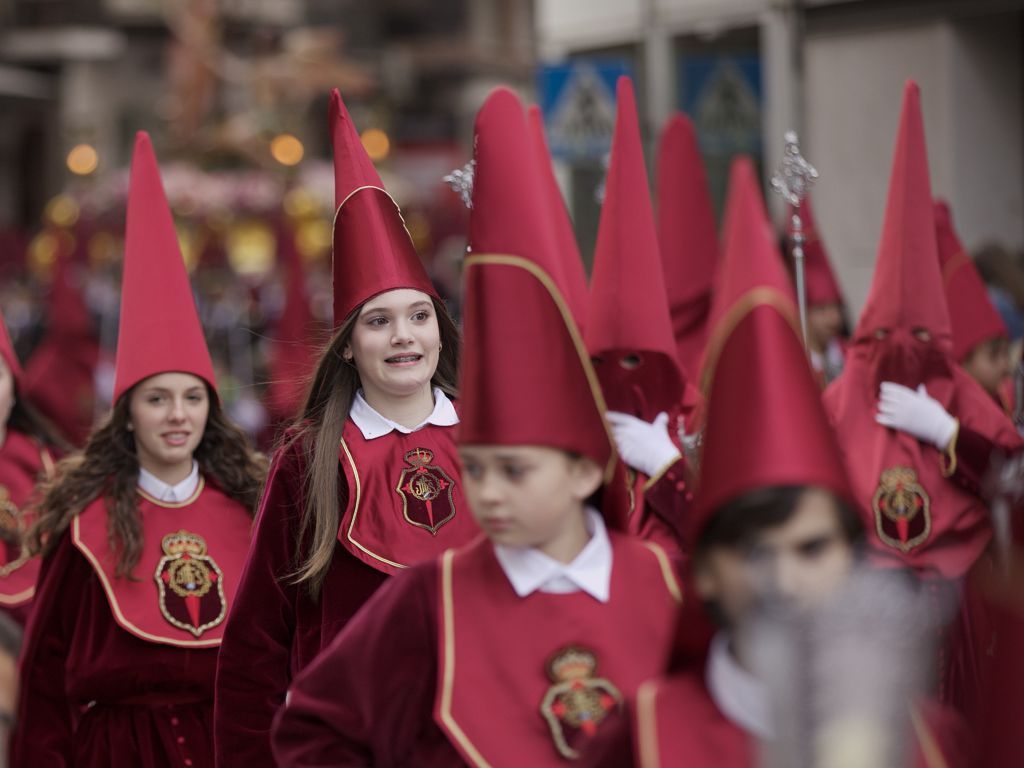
column 577, row 701
column 426, row 491
column 190, row 584
column 902, row 509
column 12, row 530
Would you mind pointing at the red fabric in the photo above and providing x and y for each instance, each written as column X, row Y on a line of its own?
column 687, row 236
column 573, row 277
column 527, row 379
column 159, row 328
column 294, row 348
column 390, row 524
column 139, row 604
column 496, row 647
column 59, row 377
column 947, row 534
column 819, row 280
column 275, row 628
column 629, row 314
column 674, row 721
column 380, row 711
column 754, row 339
column 906, row 292
column 93, row 694
column 373, row 251
column 23, row 463
column 971, row 313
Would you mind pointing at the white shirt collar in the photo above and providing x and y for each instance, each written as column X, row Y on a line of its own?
column 739, row 695
column 372, row 424
column 530, row 570
column 161, row 491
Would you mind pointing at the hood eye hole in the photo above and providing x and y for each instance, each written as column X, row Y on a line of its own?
column 630, row 362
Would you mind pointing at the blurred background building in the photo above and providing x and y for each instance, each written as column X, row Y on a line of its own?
column 234, row 93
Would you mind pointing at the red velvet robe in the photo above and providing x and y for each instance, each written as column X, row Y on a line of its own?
column 276, row 629
column 23, row 463
column 115, row 673
column 477, row 675
column 675, row 722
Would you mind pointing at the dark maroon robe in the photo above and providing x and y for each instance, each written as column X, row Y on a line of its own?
column 378, row 696
column 23, row 463
column 94, row 692
column 276, row 629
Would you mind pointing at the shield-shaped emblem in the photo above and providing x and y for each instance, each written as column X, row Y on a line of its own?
column 577, row 700
column 190, row 584
column 902, row 509
column 426, row 491
column 12, row 531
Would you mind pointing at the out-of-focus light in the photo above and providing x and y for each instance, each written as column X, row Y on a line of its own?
column 250, row 246
column 42, row 253
column 286, row 149
column 299, row 203
column 376, row 143
column 83, row 159
column 313, row 238
column 62, row 210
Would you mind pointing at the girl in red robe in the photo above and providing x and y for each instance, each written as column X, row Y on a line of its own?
column 367, row 481
column 512, row 650
column 28, row 447
column 144, row 534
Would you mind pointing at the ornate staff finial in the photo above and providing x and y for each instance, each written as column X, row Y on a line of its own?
column 461, row 182
column 795, row 175
column 792, row 180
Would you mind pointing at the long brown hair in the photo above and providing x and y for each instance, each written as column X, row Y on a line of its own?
column 319, row 431
column 25, row 418
column 108, row 466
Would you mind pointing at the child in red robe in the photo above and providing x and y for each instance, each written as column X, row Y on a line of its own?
column 514, row 649
column 144, row 534
column 367, row 482
column 28, row 447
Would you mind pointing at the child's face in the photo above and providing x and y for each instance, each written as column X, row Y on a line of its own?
column 989, row 364
column 800, row 562
column 527, row 496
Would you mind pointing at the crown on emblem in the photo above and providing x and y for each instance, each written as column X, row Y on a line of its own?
column 572, row 664
column 419, row 457
column 184, row 542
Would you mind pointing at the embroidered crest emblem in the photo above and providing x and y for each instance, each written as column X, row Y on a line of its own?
column 426, row 491
column 577, row 701
column 902, row 509
column 12, row 531
column 190, row 584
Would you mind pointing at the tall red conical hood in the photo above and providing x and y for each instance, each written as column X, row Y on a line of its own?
column 687, row 236
column 629, row 330
column 819, row 279
column 293, row 350
column 971, row 313
column 9, row 356
column 59, row 377
column 526, row 377
column 756, row 378
column 159, row 329
column 906, row 292
column 572, row 277
column 373, row 252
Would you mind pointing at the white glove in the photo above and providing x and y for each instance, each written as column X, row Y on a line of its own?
column 915, row 412
column 647, row 448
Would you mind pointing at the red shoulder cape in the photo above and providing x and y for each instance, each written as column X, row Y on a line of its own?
column 180, row 591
